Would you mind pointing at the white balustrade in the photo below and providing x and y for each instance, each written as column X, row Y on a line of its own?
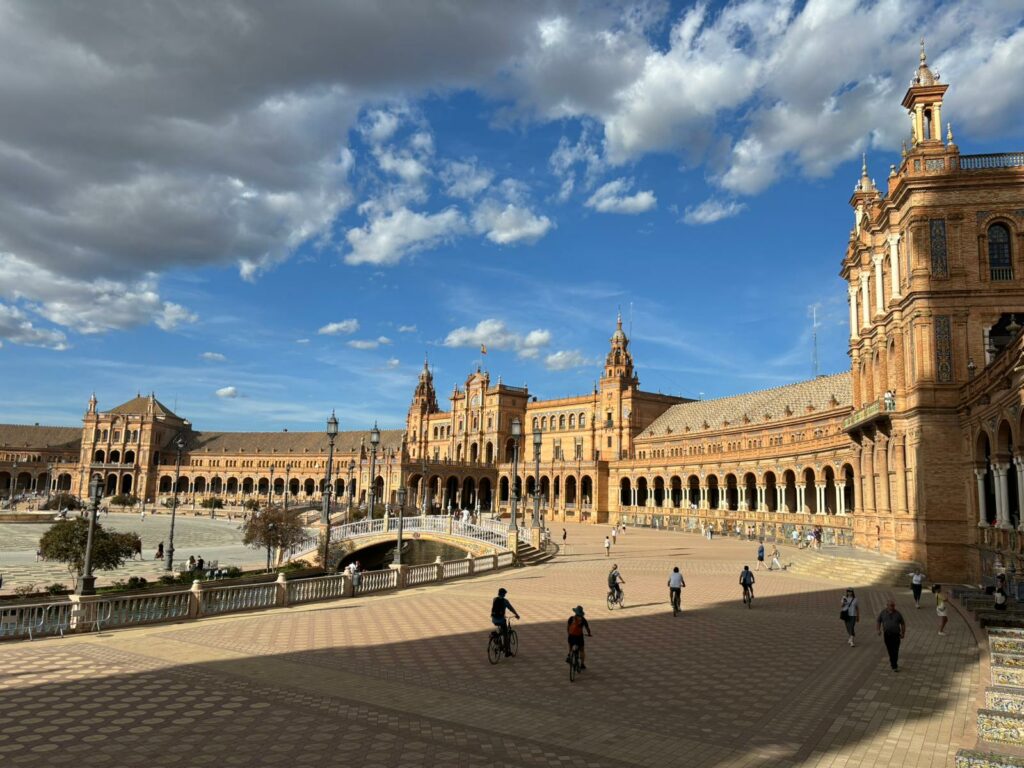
column 241, row 598
column 485, row 563
column 142, row 609
column 376, row 581
column 420, row 574
column 308, row 590
column 504, row 558
column 455, row 568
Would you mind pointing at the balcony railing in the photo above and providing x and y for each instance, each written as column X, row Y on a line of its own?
column 868, row 412
column 987, row 162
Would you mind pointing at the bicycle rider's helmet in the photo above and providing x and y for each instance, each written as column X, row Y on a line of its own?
column 502, row 592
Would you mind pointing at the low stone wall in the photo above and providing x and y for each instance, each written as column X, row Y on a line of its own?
column 27, row 517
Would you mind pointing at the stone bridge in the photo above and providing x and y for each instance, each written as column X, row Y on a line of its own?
column 486, row 537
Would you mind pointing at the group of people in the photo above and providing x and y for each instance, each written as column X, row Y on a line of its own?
column 609, row 540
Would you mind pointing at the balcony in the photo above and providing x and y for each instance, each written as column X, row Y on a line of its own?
column 878, row 409
column 990, row 162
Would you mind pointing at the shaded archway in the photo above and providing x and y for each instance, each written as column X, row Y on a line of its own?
column 625, row 492
column 831, row 500
column 503, row 489
column 750, row 492
column 641, row 492
column 771, row 492
column 659, row 491
column 693, row 491
column 731, row 493
column 586, row 491
column 849, row 492
column 216, row 485
column 484, row 493
column 789, row 491
column 182, row 484
column 570, row 491
column 713, row 494
column 247, row 485
column 199, row 485
column 126, row 484
column 676, row 491
column 468, row 499
column 809, row 493
column 232, row 485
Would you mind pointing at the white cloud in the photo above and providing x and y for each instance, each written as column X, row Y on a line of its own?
column 507, row 223
column 392, row 363
column 496, row 335
column 227, row 393
column 407, row 329
column 464, row 179
column 613, row 197
column 369, row 343
column 392, row 237
column 712, row 210
column 16, row 328
column 566, row 157
column 564, row 359
column 302, row 341
column 342, row 326
column 213, row 357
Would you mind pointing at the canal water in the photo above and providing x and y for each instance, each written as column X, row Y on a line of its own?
column 414, row 552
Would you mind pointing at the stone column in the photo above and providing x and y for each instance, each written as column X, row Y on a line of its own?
column 879, row 285
column 882, row 502
column 868, row 476
column 865, row 301
column 841, row 497
column 1018, row 463
column 900, row 473
column 854, row 332
column 1002, row 495
column 919, row 122
column 894, row 264
column 979, row 475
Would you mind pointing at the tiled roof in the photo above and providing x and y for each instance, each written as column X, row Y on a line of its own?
column 289, row 442
column 39, row 438
column 139, row 406
column 825, row 393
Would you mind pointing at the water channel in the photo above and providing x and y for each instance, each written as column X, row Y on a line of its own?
column 414, row 552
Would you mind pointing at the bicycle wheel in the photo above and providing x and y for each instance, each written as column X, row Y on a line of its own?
column 611, row 601
column 513, row 642
column 494, row 648
column 574, row 660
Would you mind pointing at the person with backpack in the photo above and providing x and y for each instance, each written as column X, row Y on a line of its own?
column 614, row 579
column 576, row 626
column 747, row 582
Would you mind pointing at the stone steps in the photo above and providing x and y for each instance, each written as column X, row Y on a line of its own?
column 532, row 556
column 849, row 570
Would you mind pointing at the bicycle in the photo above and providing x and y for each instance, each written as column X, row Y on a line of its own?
column 613, row 601
column 575, row 665
column 496, row 648
column 675, row 598
column 748, row 596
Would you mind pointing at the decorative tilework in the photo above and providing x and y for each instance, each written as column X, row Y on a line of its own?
column 937, row 231
column 935, row 164
column 943, row 349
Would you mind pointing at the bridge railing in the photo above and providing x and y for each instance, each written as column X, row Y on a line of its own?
column 491, row 532
column 97, row 613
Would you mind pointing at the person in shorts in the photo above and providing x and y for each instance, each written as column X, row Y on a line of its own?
column 576, row 626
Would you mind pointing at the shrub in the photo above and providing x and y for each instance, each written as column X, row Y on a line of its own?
column 234, row 572
column 58, row 589
column 251, row 504
column 213, row 502
column 168, row 579
column 25, row 590
column 62, row 501
column 124, row 500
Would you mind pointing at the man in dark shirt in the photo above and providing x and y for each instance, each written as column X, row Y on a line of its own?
column 498, row 607
column 893, row 629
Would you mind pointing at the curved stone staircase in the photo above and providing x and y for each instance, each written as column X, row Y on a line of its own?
column 850, row 567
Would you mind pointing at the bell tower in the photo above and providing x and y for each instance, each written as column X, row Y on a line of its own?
column 619, row 384
column 924, row 103
column 424, row 403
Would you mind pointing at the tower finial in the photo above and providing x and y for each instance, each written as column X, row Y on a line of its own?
column 863, row 164
column 949, row 133
column 924, row 56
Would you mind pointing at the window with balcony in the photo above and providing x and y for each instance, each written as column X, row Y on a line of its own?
column 1000, row 267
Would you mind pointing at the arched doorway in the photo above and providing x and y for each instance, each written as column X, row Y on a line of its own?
column 771, row 491
column 713, row 495
column 586, row 491
column 750, row 492
column 468, row 500
column 659, row 491
column 570, row 491
column 789, row 491
column 676, row 491
column 693, row 491
column 503, row 490
column 126, row 484
column 831, row 500
column 641, row 492
column 810, row 493
column 485, row 493
column 731, row 493
column 849, row 490
column 625, row 492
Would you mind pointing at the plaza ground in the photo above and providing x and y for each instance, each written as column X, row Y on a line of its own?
column 403, row 680
column 215, row 539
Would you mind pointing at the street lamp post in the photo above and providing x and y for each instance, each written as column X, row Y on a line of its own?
column 287, row 484
column 424, row 485
column 86, row 581
column 517, row 431
column 49, row 480
column 374, row 442
column 351, row 469
column 537, row 439
column 401, row 518
column 270, row 534
column 270, row 489
column 179, row 444
column 325, row 514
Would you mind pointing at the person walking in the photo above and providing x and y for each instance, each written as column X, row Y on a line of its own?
column 615, row 534
column 916, row 580
column 892, row 629
column 760, row 556
column 607, row 546
column 849, row 612
column 564, row 535
column 775, row 559
column 940, row 607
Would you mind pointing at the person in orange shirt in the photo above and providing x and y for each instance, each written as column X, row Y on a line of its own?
column 577, row 625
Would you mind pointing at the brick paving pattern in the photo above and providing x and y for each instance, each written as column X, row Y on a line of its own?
column 403, row 679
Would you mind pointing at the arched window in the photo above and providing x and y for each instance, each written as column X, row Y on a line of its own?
column 583, row 420
column 572, row 421
column 544, row 422
column 999, row 264
column 536, row 423
column 561, row 422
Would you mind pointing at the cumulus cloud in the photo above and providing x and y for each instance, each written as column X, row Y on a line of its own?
column 302, row 341
column 392, row 363
column 342, row 326
column 564, row 359
column 712, row 210
column 227, row 393
column 407, row 329
column 389, row 239
column 494, row 334
column 16, row 328
column 464, row 179
column 369, row 343
column 507, row 223
column 213, row 357
column 614, row 197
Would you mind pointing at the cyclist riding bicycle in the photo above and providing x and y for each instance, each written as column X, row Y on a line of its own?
column 614, row 579
column 576, row 626
column 498, row 607
column 675, row 586
column 747, row 582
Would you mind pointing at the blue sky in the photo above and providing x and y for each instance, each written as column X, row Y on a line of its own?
column 262, row 215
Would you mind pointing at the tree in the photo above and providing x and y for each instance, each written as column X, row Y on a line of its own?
column 62, row 501
column 212, row 502
column 65, row 543
column 252, row 504
column 274, row 527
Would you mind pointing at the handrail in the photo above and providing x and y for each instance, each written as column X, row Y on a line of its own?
column 996, row 160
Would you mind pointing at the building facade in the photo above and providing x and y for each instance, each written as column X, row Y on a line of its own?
column 917, row 451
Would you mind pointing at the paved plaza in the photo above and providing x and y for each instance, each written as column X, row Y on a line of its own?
column 403, row 679
column 215, row 539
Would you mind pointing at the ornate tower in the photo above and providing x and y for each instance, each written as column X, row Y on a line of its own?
column 619, row 384
column 424, row 403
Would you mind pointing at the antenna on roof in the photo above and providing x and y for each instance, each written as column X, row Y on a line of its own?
column 814, row 340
